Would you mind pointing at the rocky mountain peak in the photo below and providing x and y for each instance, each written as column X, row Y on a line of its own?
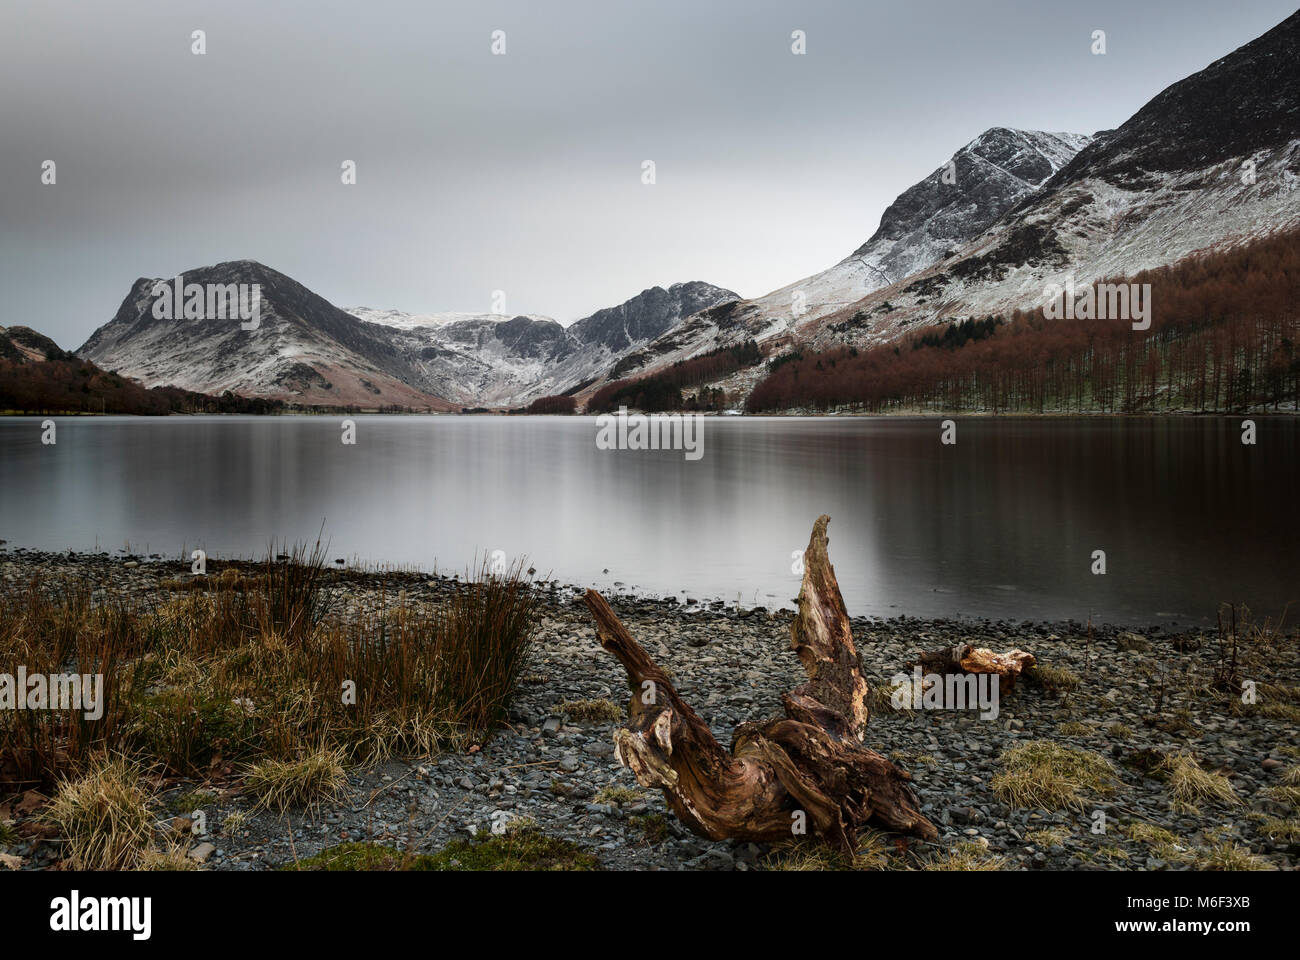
column 958, row 201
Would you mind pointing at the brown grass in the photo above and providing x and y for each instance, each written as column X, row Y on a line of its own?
column 103, row 817
column 266, row 673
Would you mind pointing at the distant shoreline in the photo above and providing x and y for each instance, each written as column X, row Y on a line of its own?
column 769, row 415
column 136, row 572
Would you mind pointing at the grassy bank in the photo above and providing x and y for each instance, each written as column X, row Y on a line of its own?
column 250, row 671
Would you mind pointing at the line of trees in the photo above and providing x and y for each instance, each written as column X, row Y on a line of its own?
column 1224, row 336
column 67, row 384
column 556, row 404
column 663, row 391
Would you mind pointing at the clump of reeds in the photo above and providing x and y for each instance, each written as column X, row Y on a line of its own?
column 267, row 673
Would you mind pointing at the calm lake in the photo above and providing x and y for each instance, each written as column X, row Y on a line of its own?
column 1002, row 524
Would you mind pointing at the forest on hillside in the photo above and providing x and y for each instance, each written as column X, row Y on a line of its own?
column 1224, row 337
column 663, row 391
column 65, row 384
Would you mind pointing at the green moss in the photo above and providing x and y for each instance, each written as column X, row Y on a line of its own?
column 653, row 826
column 193, row 800
column 524, row 849
column 361, row 857
column 619, row 795
column 1053, row 679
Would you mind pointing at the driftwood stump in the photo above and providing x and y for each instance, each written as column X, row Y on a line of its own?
column 808, row 768
column 963, row 658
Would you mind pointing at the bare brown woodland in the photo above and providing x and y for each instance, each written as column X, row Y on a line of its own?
column 1224, row 336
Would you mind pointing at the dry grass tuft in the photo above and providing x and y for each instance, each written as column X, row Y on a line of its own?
column 1191, row 785
column 1053, row 679
column 1051, row 776
column 1228, row 856
column 799, row 856
column 103, row 817
column 268, row 672
column 281, row 784
column 965, row 857
column 172, row 857
column 593, row 711
column 619, row 795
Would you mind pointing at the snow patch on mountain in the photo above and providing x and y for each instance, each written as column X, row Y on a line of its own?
column 927, row 222
column 306, row 350
column 495, row 360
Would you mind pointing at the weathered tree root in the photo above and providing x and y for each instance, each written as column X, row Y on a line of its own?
column 963, row 658
column 811, row 762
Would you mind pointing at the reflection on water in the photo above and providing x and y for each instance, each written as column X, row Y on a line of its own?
column 1002, row 524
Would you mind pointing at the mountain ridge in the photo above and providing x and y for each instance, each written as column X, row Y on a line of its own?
column 306, row 350
column 1164, row 185
column 988, row 175
column 1210, row 160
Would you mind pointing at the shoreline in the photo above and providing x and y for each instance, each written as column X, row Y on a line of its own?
column 557, row 769
column 767, row 415
column 621, row 598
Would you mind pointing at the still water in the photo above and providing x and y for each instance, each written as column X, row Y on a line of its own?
column 1004, row 523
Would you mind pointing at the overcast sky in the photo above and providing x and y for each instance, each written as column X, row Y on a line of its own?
column 523, row 172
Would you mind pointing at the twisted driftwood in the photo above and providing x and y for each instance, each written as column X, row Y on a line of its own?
column 812, row 762
column 963, row 658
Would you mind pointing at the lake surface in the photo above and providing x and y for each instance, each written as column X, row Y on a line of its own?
column 1001, row 524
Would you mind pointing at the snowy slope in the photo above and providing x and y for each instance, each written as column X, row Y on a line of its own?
column 306, row 350
column 493, row 360
column 1212, row 161
column 927, row 222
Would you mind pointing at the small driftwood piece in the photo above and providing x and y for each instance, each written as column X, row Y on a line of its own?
column 963, row 658
column 809, row 768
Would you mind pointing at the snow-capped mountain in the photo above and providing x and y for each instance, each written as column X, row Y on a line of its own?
column 304, row 349
column 493, row 360
column 1211, row 161
column 988, row 177
column 927, row 222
